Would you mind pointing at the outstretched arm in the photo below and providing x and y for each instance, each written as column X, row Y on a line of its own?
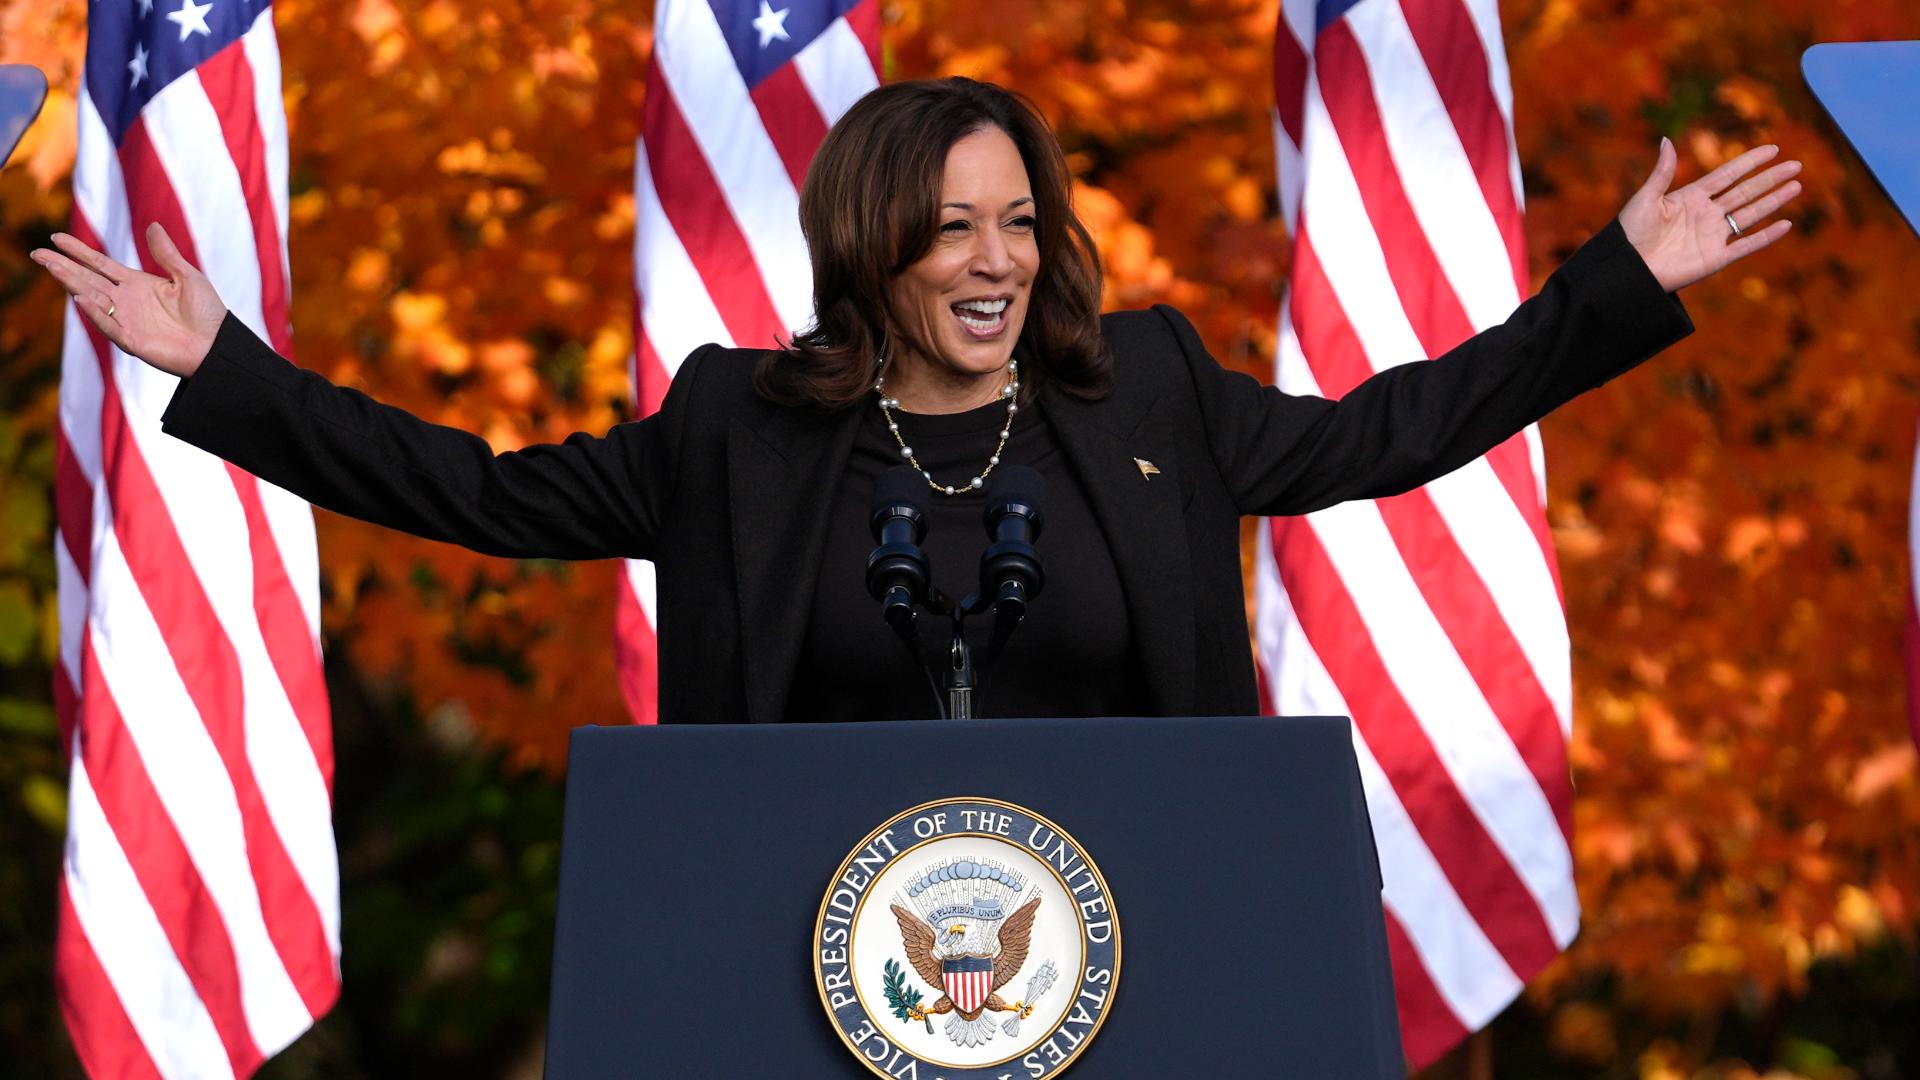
column 584, row 498
column 1607, row 309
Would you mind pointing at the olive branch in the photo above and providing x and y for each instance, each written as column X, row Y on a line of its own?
column 902, row 997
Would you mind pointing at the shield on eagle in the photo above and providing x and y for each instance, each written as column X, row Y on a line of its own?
column 969, row 979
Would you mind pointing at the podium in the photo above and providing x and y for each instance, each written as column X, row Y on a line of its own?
column 1236, row 854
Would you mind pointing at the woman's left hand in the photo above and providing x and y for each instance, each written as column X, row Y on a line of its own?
column 1700, row 229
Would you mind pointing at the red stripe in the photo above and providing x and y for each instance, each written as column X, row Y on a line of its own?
column 228, row 80
column 864, row 20
column 1449, row 582
column 1487, row 883
column 1290, row 67
column 636, row 655
column 103, row 1036
column 1428, row 1026
column 691, row 198
column 284, row 628
column 650, row 377
column 73, row 504
column 1457, row 60
column 197, row 642
column 185, row 908
column 229, row 83
column 792, row 120
column 66, row 705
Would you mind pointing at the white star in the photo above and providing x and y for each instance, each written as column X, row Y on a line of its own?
column 192, row 18
column 771, row 24
column 146, row 8
column 138, row 65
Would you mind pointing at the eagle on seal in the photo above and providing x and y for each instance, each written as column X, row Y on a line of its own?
column 923, row 939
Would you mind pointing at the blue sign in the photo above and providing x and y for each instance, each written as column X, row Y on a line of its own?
column 22, row 89
column 1870, row 88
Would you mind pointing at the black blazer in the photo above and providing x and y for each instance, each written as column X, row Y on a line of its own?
column 729, row 493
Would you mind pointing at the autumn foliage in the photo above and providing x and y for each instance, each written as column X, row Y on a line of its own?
column 1731, row 520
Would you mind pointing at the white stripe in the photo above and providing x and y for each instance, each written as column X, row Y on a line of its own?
column 1464, row 965
column 1913, row 534
column 1302, row 18
column 73, row 613
column 696, row 63
column 290, row 520
column 99, row 192
column 1466, row 735
column 125, row 936
column 676, row 312
column 1486, row 24
column 836, row 69
column 1433, row 166
column 192, row 783
column 1293, row 175
column 203, row 504
column 263, row 56
column 641, row 576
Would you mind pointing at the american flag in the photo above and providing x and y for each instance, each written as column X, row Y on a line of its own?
column 199, row 920
column 1433, row 618
column 739, row 95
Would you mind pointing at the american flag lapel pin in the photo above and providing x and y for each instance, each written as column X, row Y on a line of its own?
column 1147, row 468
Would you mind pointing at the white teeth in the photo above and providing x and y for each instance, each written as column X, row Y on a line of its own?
column 985, row 307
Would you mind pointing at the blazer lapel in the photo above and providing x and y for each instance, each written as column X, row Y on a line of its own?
column 783, row 470
column 1144, row 523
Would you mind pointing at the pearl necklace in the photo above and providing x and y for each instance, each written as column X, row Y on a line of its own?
column 1009, row 392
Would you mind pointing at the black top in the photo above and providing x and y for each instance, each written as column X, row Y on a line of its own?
column 1069, row 657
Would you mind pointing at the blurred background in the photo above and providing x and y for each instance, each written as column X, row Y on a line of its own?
column 1731, row 521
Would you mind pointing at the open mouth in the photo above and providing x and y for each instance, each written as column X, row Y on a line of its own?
column 983, row 318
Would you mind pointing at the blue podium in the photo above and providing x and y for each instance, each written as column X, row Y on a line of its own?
column 702, row 865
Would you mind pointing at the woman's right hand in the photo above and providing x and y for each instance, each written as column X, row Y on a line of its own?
column 169, row 322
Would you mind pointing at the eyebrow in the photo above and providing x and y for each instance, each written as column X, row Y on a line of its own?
column 969, row 206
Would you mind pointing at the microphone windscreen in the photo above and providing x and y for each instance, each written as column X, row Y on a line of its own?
column 898, row 486
column 1016, row 484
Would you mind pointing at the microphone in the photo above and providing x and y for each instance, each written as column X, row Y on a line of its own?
column 897, row 571
column 1010, row 574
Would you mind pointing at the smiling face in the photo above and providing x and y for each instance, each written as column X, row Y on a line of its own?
column 964, row 302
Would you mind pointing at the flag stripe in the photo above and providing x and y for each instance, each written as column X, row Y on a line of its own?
column 103, row 1035
column 792, row 120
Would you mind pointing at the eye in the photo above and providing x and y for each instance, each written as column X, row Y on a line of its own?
column 1024, row 221
column 957, row 225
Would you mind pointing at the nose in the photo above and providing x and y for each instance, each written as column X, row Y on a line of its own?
column 991, row 259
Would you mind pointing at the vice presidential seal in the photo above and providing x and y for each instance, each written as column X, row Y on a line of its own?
column 967, row 939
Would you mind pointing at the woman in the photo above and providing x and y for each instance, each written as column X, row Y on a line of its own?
column 956, row 328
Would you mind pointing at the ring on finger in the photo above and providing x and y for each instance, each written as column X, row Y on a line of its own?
column 1735, row 226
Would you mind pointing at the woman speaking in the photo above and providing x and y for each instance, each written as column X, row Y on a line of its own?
column 956, row 330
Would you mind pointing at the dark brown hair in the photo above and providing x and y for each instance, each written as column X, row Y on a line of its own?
column 870, row 209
